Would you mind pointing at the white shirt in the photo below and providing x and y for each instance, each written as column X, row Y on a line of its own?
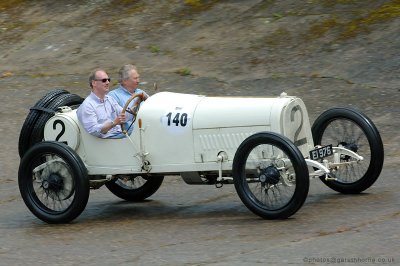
column 94, row 113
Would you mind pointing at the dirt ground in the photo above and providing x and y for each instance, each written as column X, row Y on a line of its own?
column 329, row 53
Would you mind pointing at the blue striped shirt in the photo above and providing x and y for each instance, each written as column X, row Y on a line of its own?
column 122, row 95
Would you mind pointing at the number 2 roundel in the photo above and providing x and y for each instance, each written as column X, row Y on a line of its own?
column 176, row 121
column 62, row 129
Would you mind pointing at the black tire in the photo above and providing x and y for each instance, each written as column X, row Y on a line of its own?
column 355, row 131
column 59, row 191
column 270, row 187
column 60, row 100
column 32, row 117
column 134, row 188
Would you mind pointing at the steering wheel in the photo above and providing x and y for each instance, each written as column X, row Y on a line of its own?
column 133, row 110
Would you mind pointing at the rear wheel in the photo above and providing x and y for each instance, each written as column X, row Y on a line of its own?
column 134, row 188
column 353, row 130
column 53, row 182
column 270, row 175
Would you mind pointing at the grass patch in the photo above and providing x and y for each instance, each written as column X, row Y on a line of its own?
column 320, row 28
column 195, row 6
column 154, row 49
column 200, row 5
column 197, row 50
column 183, row 71
column 278, row 37
column 332, row 3
column 386, row 12
column 7, row 4
column 193, row 3
column 13, row 30
column 201, row 50
column 129, row 6
column 278, row 15
column 346, row 29
column 45, row 75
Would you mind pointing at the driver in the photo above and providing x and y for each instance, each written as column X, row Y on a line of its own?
column 99, row 113
column 128, row 85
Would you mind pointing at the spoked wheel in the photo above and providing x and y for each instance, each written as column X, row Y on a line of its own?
column 270, row 175
column 353, row 130
column 53, row 182
column 134, row 188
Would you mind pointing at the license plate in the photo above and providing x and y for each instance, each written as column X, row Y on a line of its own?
column 321, row 152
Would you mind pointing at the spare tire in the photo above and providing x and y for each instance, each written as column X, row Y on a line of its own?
column 32, row 129
column 32, row 117
column 61, row 100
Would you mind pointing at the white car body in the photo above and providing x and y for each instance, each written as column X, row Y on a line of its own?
column 264, row 146
column 178, row 133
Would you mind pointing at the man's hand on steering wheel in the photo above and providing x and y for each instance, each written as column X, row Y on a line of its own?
column 135, row 107
column 121, row 118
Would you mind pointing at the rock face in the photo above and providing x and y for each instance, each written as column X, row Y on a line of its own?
column 328, row 52
column 229, row 40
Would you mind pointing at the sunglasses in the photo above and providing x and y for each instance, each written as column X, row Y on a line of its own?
column 104, row 80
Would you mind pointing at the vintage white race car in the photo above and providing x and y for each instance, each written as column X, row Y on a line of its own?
column 265, row 146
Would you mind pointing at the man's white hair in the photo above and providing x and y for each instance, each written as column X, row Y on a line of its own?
column 125, row 72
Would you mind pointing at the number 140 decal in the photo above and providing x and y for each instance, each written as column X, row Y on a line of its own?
column 178, row 119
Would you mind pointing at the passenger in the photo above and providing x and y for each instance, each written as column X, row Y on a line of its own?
column 99, row 113
column 128, row 85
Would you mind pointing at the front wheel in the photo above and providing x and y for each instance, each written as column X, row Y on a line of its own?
column 270, row 175
column 134, row 188
column 353, row 130
column 53, row 182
